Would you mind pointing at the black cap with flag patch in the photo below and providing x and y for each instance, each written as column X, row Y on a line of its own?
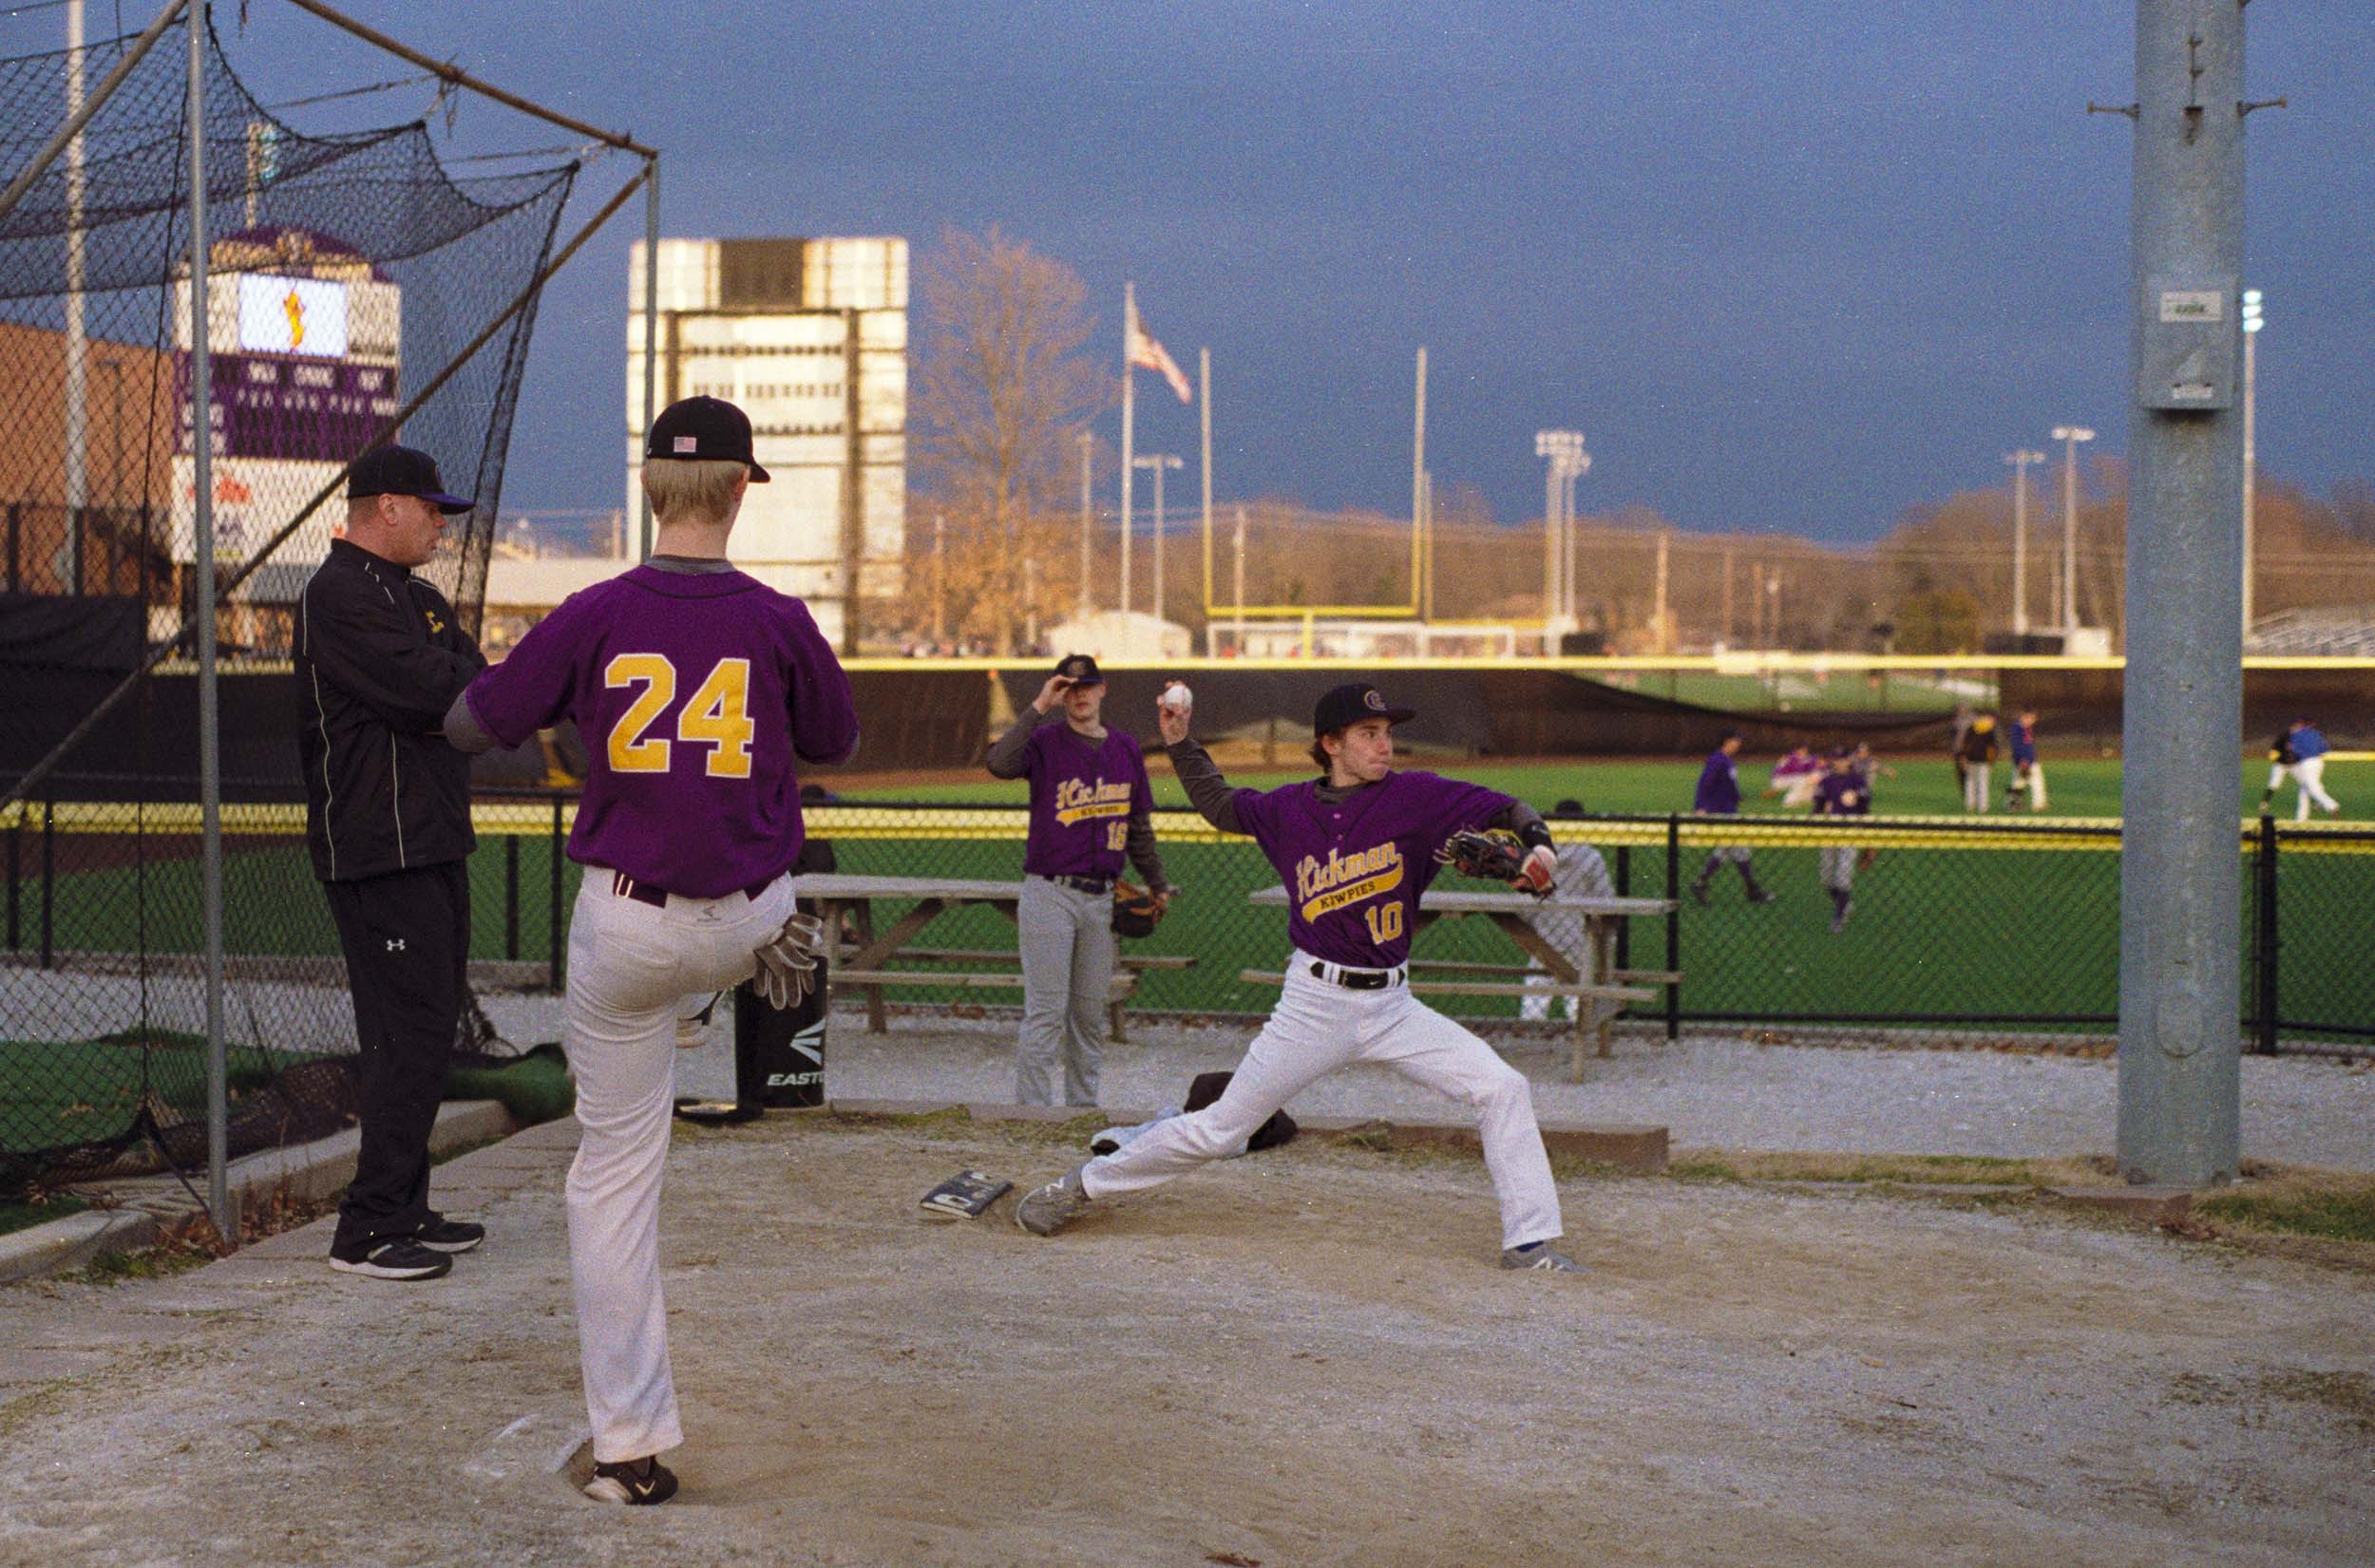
column 703, row 430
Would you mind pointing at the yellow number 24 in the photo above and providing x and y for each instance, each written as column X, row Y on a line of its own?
column 716, row 715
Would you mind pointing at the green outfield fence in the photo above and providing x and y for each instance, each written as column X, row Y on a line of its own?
column 1966, row 931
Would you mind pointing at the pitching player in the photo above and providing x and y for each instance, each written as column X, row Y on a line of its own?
column 1795, row 776
column 1356, row 848
column 1090, row 806
column 1843, row 792
column 695, row 688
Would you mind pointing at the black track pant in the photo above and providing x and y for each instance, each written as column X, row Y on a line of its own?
column 407, row 937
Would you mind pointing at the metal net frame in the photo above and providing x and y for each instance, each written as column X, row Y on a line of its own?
column 350, row 274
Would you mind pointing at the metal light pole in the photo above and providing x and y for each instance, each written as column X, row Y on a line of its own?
column 1564, row 451
column 939, row 579
column 1158, row 462
column 2180, row 900
column 77, row 337
column 2021, row 460
column 1088, row 447
column 2069, row 435
column 2254, row 319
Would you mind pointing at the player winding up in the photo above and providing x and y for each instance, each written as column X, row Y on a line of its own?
column 695, row 688
column 1356, row 848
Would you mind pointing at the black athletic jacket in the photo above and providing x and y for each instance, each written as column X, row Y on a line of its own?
column 379, row 659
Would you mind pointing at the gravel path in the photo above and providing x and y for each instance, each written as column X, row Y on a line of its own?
column 1707, row 1091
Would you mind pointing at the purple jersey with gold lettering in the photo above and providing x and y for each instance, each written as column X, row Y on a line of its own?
column 1082, row 795
column 694, row 692
column 1354, row 870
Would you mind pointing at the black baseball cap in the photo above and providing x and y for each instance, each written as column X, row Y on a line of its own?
column 1349, row 705
column 1080, row 670
column 703, row 430
column 401, row 471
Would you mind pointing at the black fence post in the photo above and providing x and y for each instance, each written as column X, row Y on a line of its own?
column 16, row 547
column 1674, row 926
column 49, row 876
column 511, row 896
column 553, row 934
column 2265, row 953
column 16, row 859
column 1624, row 890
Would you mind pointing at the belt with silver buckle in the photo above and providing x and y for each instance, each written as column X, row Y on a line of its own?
column 1356, row 979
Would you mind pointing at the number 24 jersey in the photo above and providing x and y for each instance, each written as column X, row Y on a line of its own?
column 695, row 693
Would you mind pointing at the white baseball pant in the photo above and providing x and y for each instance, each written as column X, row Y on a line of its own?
column 1067, row 944
column 1975, row 787
column 2309, row 775
column 630, row 967
column 1316, row 1028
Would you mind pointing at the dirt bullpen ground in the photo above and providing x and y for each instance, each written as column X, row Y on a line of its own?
column 1303, row 1357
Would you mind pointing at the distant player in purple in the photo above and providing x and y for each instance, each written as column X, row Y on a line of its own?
column 1090, row 808
column 698, row 691
column 1356, row 848
column 1719, row 795
column 1844, row 792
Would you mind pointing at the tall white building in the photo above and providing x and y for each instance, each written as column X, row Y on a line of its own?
column 809, row 338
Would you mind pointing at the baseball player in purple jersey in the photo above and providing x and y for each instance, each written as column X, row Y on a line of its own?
column 1844, row 792
column 1356, row 848
column 1090, row 808
column 696, row 688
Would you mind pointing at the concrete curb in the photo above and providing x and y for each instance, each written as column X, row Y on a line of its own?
column 146, row 1203
column 1627, row 1145
column 2153, row 1205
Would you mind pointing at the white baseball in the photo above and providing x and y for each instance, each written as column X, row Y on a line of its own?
column 1177, row 697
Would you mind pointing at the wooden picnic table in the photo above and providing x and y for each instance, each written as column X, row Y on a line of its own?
column 1515, row 913
column 869, row 961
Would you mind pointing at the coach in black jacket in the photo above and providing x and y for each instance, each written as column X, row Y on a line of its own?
column 379, row 659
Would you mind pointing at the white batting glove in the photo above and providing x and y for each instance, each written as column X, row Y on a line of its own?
column 1534, row 875
column 787, row 961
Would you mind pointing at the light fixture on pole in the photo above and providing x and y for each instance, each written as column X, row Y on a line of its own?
column 1562, row 450
column 2254, row 319
column 2020, row 462
column 1158, row 462
column 2070, row 435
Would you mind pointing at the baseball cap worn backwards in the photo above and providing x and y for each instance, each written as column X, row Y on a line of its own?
column 401, row 471
column 1349, row 705
column 703, row 430
column 1080, row 670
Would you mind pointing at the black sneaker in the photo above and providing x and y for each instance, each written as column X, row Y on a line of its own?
column 1762, row 896
column 392, row 1257
column 1699, row 892
column 450, row 1236
column 634, row 1482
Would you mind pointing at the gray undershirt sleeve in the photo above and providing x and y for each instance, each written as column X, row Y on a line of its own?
column 1142, row 854
column 462, row 730
column 1207, row 791
column 1010, row 753
column 1525, row 821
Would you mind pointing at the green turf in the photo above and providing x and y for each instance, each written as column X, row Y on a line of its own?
column 57, row 1093
column 20, row 1217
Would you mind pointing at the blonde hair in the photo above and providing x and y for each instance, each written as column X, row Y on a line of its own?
column 702, row 487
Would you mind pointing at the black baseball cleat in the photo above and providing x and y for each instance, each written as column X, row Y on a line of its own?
column 1699, row 892
column 633, row 1482
column 1762, row 896
column 450, row 1236
column 391, row 1257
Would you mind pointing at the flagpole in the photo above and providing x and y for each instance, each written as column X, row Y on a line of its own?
column 1129, row 344
column 1204, row 389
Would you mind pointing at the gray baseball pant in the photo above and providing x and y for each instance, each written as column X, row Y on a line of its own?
column 1067, row 976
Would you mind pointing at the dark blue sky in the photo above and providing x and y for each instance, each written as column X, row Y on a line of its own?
column 1793, row 266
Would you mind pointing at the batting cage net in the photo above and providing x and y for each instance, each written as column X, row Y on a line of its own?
column 348, row 274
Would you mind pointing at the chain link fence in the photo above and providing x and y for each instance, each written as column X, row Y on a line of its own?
column 1960, row 934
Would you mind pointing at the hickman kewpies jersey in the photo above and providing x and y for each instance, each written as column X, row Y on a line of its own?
column 1082, row 795
column 1354, row 870
column 695, row 692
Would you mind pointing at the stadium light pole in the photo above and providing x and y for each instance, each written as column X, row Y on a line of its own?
column 1158, row 462
column 1088, row 502
column 2254, row 319
column 77, row 335
column 2069, row 435
column 1564, row 452
column 2021, row 460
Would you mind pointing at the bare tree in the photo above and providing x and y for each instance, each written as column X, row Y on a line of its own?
column 1005, row 390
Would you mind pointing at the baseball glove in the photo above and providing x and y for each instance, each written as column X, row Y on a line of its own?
column 1493, row 856
column 1137, row 912
column 787, row 961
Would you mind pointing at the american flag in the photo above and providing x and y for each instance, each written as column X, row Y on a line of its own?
column 1147, row 353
